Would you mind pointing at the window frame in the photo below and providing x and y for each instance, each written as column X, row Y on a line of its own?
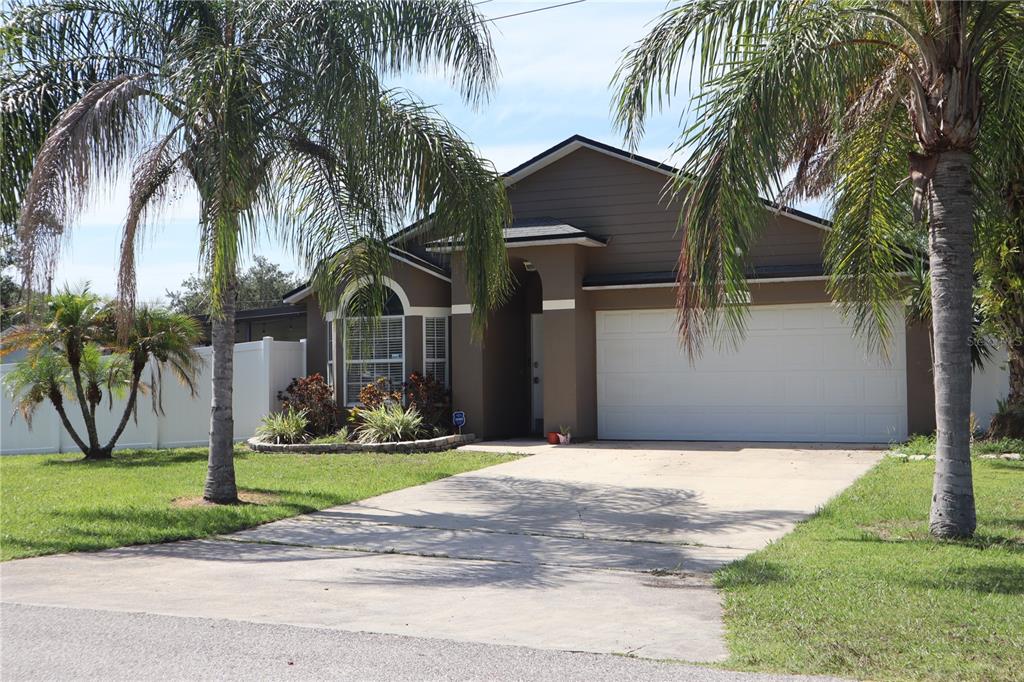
column 346, row 362
column 447, row 348
column 331, row 335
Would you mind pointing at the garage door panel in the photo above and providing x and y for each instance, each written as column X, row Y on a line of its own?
column 654, row 322
column 609, row 323
column 801, row 318
column 797, row 376
column 617, row 355
column 881, row 388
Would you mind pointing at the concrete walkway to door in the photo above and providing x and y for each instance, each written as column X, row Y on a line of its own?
column 603, row 547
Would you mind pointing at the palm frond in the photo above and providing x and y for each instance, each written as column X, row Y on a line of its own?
column 90, row 139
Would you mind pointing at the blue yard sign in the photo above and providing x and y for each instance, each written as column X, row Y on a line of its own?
column 459, row 419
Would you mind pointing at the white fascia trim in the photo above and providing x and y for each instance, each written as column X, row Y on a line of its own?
column 298, row 295
column 663, row 285
column 427, row 311
column 462, row 309
column 417, row 265
column 781, row 280
column 559, row 304
column 306, row 291
column 657, row 285
column 582, row 241
column 569, row 149
column 798, row 218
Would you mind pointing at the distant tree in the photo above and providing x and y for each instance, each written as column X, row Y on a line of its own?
column 10, row 289
column 75, row 353
column 260, row 286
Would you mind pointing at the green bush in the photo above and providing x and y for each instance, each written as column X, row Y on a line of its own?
column 389, row 423
column 339, row 436
column 1008, row 421
column 284, row 427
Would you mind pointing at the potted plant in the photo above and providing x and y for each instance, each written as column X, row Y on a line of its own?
column 564, row 435
column 553, row 437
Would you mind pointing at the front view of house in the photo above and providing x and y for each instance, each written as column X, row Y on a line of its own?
column 588, row 339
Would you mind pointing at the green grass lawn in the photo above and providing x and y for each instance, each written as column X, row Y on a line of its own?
column 58, row 503
column 862, row 591
column 925, row 445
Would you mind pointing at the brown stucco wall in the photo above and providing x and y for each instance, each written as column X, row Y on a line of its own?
column 316, row 337
column 920, row 387
column 491, row 375
column 422, row 288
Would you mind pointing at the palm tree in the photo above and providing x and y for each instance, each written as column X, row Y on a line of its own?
column 841, row 91
column 278, row 115
column 74, row 353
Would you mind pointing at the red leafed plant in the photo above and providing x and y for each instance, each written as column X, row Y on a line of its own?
column 430, row 397
column 377, row 393
column 315, row 397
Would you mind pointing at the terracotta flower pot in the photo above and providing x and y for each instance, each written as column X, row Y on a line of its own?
column 553, row 437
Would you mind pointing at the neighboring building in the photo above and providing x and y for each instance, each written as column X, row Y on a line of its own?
column 283, row 322
column 589, row 340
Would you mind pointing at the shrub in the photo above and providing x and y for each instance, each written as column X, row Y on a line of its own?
column 389, row 423
column 339, row 436
column 313, row 396
column 288, row 426
column 1008, row 421
column 377, row 394
column 430, row 397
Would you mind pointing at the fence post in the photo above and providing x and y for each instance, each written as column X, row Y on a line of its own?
column 267, row 352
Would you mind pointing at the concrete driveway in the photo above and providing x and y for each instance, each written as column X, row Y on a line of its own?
column 603, row 547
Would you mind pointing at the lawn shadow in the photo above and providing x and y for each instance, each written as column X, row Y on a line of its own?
column 751, row 571
column 984, row 579
column 153, row 457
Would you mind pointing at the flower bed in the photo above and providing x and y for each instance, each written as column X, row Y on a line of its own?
column 425, row 445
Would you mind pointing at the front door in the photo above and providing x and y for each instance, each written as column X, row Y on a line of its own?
column 537, row 371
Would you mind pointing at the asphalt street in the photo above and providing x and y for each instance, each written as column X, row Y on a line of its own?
column 47, row 643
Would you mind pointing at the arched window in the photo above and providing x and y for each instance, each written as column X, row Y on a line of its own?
column 374, row 349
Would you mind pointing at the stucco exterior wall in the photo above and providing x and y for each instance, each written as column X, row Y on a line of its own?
column 622, row 202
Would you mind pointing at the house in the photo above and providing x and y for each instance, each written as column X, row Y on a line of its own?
column 282, row 322
column 589, row 340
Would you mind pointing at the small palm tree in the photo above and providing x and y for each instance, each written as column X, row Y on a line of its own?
column 73, row 353
column 855, row 95
column 278, row 115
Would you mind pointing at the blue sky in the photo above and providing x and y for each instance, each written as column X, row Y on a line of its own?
column 555, row 66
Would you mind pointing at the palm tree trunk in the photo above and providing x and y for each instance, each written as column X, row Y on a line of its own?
column 58, row 404
column 88, row 415
column 220, row 476
column 951, row 207
column 133, row 395
column 1016, row 368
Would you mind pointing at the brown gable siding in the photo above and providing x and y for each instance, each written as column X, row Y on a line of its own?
column 621, row 202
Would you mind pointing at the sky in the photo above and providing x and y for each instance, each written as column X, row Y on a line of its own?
column 556, row 66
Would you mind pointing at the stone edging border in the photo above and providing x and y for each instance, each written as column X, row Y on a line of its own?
column 425, row 445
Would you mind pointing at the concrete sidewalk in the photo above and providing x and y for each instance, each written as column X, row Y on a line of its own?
column 591, row 548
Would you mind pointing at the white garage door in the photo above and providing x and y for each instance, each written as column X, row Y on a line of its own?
column 799, row 375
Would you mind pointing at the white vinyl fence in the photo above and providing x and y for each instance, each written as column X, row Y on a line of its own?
column 262, row 368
